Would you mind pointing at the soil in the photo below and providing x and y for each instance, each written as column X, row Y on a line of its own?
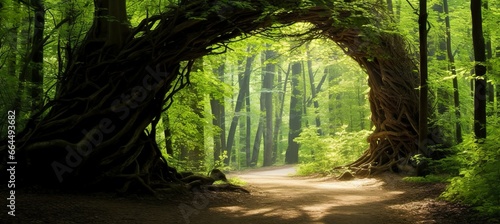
column 275, row 197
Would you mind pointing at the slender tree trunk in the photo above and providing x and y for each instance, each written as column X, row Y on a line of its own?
column 390, row 6
column 279, row 115
column 256, row 143
column 497, row 87
column 491, row 90
column 267, row 88
column 331, row 95
column 422, row 124
column 219, row 120
column 168, row 134
column 489, row 55
column 443, row 98
column 480, row 70
column 239, row 104
column 313, row 90
column 451, row 59
column 36, row 65
column 258, row 135
column 292, row 152
column 245, row 128
column 248, row 126
column 304, row 93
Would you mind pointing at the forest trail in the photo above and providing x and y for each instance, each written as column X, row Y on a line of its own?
column 276, row 197
column 287, row 199
column 282, row 198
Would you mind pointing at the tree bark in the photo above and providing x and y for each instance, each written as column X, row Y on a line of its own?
column 248, row 125
column 258, row 138
column 295, row 122
column 422, row 123
column 480, row 70
column 267, row 88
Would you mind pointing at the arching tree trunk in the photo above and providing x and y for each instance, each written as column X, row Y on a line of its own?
column 100, row 130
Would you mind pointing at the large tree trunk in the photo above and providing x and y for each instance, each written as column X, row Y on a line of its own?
column 295, row 121
column 424, row 88
column 480, row 69
column 267, row 88
column 95, row 133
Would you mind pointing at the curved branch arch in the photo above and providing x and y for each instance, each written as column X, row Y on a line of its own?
column 94, row 133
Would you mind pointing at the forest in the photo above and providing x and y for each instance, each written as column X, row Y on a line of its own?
column 127, row 95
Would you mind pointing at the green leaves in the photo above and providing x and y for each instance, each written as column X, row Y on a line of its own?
column 320, row 154
column 477, row 184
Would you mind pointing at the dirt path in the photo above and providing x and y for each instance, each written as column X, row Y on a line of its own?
column 276, row 197
column 285, row 199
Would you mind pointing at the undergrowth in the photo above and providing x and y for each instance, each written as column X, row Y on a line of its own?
column 479, row 173
column 431, row 178
column 320, row 154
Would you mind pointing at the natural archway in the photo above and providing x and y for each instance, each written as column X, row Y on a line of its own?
column 94, row 134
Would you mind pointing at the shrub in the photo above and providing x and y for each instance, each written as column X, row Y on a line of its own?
column 477, row 183
column 320, row 154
